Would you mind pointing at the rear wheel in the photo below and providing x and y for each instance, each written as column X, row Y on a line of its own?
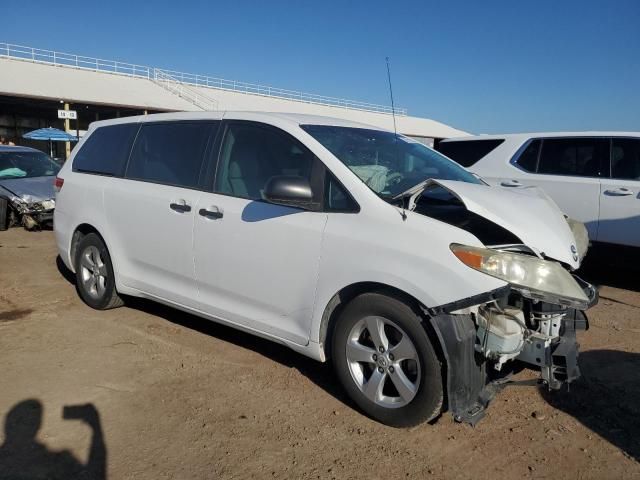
column 95, row 280
column 4, row 214
column 385, row 361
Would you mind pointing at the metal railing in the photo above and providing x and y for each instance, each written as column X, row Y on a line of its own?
column 172, row 84
column 51, row 57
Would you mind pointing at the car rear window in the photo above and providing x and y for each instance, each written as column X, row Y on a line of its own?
column 170, row 153
column 468, row 152
column 106, row 150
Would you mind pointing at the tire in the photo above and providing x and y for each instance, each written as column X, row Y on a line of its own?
column 419, row 374
column 95, row 280
column 4, row 214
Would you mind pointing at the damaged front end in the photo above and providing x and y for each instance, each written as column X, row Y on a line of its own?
column 28, row 212
column 534, row 318
column 481, row 341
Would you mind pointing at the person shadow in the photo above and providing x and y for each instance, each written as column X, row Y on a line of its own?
column 22, row 456
column 607, row 397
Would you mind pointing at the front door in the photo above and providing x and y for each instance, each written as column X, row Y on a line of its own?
column 620, row 195
column 256, row 263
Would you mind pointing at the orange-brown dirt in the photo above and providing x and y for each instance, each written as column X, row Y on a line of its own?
column 180, row 397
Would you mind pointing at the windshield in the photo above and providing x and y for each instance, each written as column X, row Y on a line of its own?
column 387, row 163
column 26, row 164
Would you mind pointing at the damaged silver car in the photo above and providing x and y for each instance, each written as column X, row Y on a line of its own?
column 26, row 187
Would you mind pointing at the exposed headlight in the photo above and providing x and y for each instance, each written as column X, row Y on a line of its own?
column 48, row 204
column 532, row 277
column 581, row 235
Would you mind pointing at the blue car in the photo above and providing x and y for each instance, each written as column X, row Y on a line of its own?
column 27, row 195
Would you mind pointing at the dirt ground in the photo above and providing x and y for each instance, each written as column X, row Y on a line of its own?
column 169, row 395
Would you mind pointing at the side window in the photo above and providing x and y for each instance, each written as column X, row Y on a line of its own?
column 170, row 153
column 251, row 154
column 528, row 159
column 336, row 197
column 625, row 158
column 581, row 157
column 106, row 150
column 468, row 152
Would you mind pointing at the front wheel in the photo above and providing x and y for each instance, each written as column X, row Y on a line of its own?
column 386, row 362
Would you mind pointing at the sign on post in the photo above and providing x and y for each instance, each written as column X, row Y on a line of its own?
column 71, row 114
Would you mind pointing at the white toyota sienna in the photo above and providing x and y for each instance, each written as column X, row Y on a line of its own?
column 421, row 283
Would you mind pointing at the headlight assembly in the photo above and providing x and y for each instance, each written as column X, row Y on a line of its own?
column 581, row 235
column 532, row 277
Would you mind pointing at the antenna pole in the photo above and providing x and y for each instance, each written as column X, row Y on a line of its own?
column 393, row 107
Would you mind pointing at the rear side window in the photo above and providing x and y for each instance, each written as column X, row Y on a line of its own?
column 528, row 159
column 580, row 157
column 468, row 152
column 170, row 153
column 106, row 150
column 625, row 158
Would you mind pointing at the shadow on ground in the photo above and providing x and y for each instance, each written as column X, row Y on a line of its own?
column 607, row 397
column 23, row 456
column 604, row 268
column 319, row 373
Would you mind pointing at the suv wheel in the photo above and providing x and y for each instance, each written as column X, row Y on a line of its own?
column 386, row 362
column 95, row 280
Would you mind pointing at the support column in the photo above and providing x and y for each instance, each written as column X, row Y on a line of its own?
column 67, row 145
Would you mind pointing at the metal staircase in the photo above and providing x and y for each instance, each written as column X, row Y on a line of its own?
column 177, row 87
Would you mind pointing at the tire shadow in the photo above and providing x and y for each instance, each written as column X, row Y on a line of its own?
column 607, row 397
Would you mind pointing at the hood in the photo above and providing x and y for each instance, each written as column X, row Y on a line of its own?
column 30, row 190
column 528, row 213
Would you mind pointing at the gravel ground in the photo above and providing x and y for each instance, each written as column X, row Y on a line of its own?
column 162, row 394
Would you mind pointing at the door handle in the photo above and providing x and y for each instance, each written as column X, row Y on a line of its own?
column 180, row 206
column 619, row 192
column 212, row 212
column 510, row 183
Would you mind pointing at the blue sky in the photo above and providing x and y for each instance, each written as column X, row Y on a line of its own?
column 485, row 67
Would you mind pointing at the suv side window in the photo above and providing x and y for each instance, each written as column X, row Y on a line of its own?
column 528, row 159
column 170, row 153
column 580, row 157
column 468, row 152
column 625, row 158
column 106, row 150
column 251, row 154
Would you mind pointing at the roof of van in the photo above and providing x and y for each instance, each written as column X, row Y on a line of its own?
column 545, row 134
column 297, row 118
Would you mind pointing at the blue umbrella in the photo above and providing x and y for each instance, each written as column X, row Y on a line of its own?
column 51, row 134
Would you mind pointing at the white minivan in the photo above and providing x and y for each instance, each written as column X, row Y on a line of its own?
column 594, row 177
column 336, row 239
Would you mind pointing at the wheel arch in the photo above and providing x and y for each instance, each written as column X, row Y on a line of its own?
column 81, row 231
column 341, row 298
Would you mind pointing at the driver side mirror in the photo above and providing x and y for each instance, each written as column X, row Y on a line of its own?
column 290, row 191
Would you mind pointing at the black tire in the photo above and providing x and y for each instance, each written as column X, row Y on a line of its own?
column 4, row 214
column 107, row 297
column 428, row 399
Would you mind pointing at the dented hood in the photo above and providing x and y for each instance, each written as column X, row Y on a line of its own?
column 31, row 189
column 527, row 212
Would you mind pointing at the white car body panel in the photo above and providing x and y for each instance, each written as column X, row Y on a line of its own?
column 552, row 239
column 581, row 198
column 275, row 274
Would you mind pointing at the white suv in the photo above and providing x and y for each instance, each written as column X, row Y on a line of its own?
column 335, row 239
column 594, row 177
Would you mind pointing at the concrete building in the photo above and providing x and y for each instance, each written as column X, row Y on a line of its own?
column 35, row 84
